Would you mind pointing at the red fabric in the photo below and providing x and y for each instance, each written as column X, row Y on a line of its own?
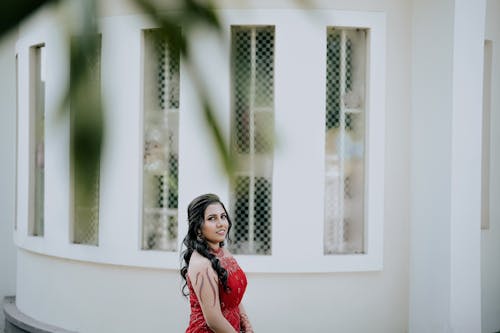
column 229, row 301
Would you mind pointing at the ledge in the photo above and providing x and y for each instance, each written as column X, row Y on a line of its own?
column 16, row 321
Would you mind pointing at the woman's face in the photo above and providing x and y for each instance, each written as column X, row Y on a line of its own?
column 215, row 225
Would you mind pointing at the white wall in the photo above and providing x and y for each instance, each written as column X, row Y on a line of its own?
column 465, row 283
column 300, row 85
column 7, row 168
column 98, row 298
column 490, row 239
column 430, row 164
column 446, row 166
column 95, row 298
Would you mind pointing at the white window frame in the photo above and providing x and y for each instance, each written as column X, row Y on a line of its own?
column 252, row 157
column 169, row 113
column 338, row 175
column 37, row 69
column 297, row 244
column 294, row 250
column 73, row 185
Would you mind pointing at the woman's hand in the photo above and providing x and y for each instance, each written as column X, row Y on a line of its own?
column 245, row 325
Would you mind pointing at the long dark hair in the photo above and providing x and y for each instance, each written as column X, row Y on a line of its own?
column 192, row 241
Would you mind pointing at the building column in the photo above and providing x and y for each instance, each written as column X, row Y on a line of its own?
column 446, row 125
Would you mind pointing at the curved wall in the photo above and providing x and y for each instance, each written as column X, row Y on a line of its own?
column 88, row 297
column 96, row 298
column 117, row 287
column 120, row 188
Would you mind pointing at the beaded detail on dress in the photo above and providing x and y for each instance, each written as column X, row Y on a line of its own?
column 229, row 301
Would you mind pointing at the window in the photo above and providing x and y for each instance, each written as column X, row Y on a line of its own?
column 88, row 91
column 17, row 141
column 485, row 174
column 37, row 138
column 161, row 142
column 345, row 137
column 252, row 127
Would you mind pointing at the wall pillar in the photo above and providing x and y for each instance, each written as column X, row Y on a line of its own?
column 7, row 167
column 446, row 125
column 490, row 238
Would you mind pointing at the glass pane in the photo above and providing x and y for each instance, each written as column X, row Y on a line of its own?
column 345, row 137
column 161, row 141
column 85, row 208
column 17, row 141
column 86, row 215
column 37, row 75
column 252, row 130
column 486, row 144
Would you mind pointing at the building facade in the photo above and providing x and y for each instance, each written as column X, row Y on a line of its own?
column 363, row 136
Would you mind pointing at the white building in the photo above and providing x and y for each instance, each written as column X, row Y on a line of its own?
column 393, row 104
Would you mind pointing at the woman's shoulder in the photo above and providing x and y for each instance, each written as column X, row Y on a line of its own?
column 197, row 259
column 198, row 263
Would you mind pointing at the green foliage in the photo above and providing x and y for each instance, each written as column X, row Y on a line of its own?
column 14, row 11
column 83, row 100
column 191, row 14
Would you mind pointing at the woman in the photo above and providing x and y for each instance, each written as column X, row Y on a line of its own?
column 215, row 281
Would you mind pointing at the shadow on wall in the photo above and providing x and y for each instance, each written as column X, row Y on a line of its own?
column 18, row 322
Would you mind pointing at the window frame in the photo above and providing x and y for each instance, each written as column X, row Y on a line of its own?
column 171, row 112
column 201, row 172
column 345, row 237
column 249, row 160
column 285, row 256
column 36, row 63
column 73, row 185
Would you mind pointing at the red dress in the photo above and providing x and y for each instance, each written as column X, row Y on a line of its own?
column 229, row 301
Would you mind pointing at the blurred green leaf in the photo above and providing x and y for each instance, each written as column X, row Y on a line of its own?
column 224, row 154
column 12, row 12
column 83, row 100
column 83, row 97
column 193, row 13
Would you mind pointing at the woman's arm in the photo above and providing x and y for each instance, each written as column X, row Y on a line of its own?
column 205, row 284
column 244, row 321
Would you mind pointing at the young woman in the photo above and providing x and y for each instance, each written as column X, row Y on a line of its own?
column 215, row 281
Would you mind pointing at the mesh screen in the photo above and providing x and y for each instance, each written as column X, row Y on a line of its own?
column 344, row 146
column 86, row 227
column 252, row 137
column 161, row 132
column 86, row 209
column 38, row 113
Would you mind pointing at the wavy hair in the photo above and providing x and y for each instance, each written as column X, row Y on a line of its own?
column 196, row 219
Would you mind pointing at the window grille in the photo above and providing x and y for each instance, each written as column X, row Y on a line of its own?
column 86, row 215
column 252, row 126
column 37, row 106
column 344, row 146
column 85, row 209
column 161, row 142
